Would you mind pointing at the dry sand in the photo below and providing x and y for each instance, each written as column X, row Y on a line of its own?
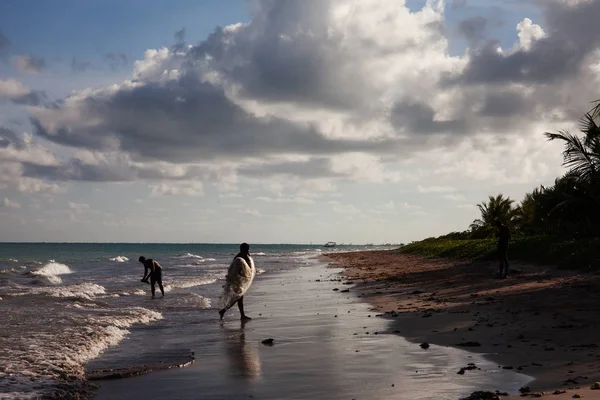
column 540, row 321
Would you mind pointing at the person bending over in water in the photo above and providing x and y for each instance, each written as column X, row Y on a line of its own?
column 152, row 270
column 503, row 235
column 239, row 278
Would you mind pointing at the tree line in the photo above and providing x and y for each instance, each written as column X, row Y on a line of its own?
column 569, row 208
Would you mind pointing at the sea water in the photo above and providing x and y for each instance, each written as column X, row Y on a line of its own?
column 64, row 304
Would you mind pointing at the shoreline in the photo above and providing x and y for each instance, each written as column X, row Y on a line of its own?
column 541, row 321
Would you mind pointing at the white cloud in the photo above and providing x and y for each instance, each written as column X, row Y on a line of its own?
column 435, row 189
column 341, row 208
column 78, row 207
column 529, row 33
column 455, row 197
column 296, row 200
column 12, row 89
column 251, row 212
column 192, row 189
column 10, row 204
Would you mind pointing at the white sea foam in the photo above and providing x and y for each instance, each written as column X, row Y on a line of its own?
column 189, row 300
column 119, row 259
column 190, row 255
column 20, row 268
column 51, row 345
column 259, row 254
column 138, row 292
column 50, row 272
column 260, row 271
column 86, row 291
column 187, row 283
column 83, row 291
column 53, row 269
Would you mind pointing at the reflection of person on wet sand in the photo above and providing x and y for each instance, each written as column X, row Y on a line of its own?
column 239, row 278
column 243, row 357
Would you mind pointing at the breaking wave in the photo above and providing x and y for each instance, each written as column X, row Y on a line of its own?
column 51, row 272
column 119, row 259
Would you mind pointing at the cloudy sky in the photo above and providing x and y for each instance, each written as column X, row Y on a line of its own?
column 281, row 121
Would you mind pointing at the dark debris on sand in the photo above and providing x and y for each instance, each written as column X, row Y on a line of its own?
column 481, row 395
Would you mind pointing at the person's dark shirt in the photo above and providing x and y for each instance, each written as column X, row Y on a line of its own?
column 149, row 265
column 503, row 235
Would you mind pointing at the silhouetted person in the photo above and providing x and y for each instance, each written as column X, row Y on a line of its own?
column 503, row 235
column 152, row 270
column 239, row 278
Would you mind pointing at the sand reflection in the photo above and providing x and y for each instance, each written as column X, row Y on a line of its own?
column 244, row 359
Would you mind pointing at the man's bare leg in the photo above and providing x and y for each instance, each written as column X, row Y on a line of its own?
column 222, row 312
column 241, row 307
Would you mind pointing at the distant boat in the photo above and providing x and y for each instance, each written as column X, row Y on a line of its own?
column 329, row 244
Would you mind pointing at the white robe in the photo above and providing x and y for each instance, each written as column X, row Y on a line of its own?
column 239, row 278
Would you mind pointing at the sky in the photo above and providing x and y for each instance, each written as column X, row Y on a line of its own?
column 282, row 121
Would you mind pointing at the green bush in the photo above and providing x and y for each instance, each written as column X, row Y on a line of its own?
column 563, row 252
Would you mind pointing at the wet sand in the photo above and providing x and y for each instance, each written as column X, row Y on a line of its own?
column 327, row 344
column 540, row 321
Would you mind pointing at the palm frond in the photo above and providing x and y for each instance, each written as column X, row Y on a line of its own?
column 590, row 129
column 576, row 156
column 595, row 112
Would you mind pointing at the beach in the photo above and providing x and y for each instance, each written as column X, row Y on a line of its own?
column 327, row 344
column 92, row 330
column 540, row 321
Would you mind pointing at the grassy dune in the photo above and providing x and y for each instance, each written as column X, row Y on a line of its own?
column 565, row 253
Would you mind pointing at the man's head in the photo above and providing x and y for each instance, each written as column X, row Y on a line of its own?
column 244, row 248
column 142, row 259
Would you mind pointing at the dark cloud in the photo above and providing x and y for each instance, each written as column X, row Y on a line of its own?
column 115, row 60
column 186, row 120
column 505, row 104
column 558, row 56
column 312, row 168
column 418, row 118
column 30, row 64
column 80, row 65
column 33, row 98
column 473, row 28
column 179, row 40
column 8, row 137
column 76, row 170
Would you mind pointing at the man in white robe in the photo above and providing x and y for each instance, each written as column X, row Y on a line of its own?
column 239, row 278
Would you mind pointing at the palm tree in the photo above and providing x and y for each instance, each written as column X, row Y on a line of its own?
column 581, row 199
column 582, row 155
column 498, row 208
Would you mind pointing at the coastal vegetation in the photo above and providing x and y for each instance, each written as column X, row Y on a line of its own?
column 558, row 224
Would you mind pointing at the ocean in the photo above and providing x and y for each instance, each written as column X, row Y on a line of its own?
column 65, row 304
